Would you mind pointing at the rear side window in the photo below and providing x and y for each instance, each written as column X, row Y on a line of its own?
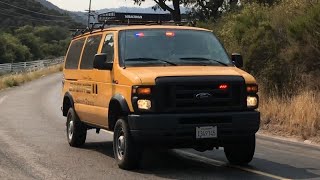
column 90, row 50
column 74, row 53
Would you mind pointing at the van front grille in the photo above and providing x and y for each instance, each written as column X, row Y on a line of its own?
column 186, row 94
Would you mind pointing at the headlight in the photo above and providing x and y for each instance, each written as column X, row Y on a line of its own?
column 142, row 98
column 144, row 104
column 252, row 102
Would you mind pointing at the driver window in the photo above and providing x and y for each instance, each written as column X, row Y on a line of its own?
column 108, row 47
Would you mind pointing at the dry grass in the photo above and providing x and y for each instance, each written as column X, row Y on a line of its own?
column 18, row 79
column 297, row 116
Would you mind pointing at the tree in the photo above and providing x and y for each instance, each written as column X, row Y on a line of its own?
column 175, row 10
column 33, row 43
column 51, row 33
column 270, row 2
column 11, row 49
column 26, row 36
column 205, row 10
column 201, row 9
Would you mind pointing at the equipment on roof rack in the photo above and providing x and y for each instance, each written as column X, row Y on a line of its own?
column 128, row 18
column 110, row 19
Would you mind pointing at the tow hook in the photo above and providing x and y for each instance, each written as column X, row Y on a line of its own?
column 98, row 130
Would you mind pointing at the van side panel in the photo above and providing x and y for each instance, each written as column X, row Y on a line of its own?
column 92, row 106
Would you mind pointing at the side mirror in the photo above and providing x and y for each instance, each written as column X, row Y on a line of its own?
column 100, row 62
column 237, row 60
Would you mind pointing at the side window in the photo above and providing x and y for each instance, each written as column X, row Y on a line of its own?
column 90, row 50
column 74, row 53
column 108, row 47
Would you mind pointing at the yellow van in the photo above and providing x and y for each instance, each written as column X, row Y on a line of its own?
column 163, row 86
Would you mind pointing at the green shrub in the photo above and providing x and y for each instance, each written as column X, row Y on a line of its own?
column 305, row 33
column 11, row 49
column 280, row 43
column 33, row 43
column 11, row 82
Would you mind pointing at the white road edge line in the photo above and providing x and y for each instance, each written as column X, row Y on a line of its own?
column 2, row 99
column 219, row 163
column 108, row 132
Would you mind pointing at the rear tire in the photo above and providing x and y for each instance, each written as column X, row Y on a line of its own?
column 242, row 153
column 125, row 151
column 76, row 130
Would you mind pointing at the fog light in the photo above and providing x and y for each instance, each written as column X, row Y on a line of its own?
column 144, row 104
column 252, row 102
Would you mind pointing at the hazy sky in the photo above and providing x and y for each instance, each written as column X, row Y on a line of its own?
column 81, row 5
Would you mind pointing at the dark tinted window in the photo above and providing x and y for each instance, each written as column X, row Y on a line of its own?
column 90, row 50
column 108, row 47
column 74, row 53
column 181, row 47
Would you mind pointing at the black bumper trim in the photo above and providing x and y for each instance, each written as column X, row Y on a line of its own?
column 180, row 128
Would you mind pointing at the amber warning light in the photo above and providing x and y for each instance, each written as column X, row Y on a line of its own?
column 170, row 34
column 144, row 91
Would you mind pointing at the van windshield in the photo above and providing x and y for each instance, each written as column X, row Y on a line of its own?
column 171, row 47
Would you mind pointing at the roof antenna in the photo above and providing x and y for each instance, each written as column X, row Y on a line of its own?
column 90, row 14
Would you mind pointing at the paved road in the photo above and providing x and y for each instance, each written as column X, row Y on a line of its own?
column 33, row 145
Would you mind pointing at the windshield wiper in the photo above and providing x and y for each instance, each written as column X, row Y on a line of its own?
column 151, row 59
column 203, row 59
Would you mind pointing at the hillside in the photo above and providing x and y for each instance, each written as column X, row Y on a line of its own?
column 81, row 17
column 49, row 5
column 30, row 31
column 16, row 13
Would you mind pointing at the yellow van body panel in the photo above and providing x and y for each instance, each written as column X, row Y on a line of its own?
column 148, row 75
column 93, row 89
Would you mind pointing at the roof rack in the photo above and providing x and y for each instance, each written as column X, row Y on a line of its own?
column 111, row 19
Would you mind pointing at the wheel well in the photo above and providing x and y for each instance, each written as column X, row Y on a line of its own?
column 115, row 112
column 67, row 104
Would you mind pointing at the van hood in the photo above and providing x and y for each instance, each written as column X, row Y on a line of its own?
column 149, row 74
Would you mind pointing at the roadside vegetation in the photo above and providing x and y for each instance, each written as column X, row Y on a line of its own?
column 12, row 80
column 281, row 48
column 29, row 43
column 280, row 42
column 29, row 31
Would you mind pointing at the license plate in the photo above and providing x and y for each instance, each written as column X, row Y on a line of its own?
column 206, row 132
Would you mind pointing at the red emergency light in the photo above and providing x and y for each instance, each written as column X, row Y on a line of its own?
column 223, row 86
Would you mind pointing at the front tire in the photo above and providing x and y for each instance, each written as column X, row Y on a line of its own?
column 125, row 151
column 76, row 130
column 242, row 153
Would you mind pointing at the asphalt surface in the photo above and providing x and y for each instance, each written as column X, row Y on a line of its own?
column 33, row 145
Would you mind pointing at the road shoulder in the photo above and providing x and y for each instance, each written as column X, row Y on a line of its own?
column 288, row 140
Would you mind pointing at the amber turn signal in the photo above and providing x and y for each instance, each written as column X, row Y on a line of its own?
column 144, row 91
column 252, row 88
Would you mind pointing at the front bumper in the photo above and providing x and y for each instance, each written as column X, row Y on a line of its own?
column 179, row 130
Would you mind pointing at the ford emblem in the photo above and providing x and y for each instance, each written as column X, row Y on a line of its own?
column 203, row 95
